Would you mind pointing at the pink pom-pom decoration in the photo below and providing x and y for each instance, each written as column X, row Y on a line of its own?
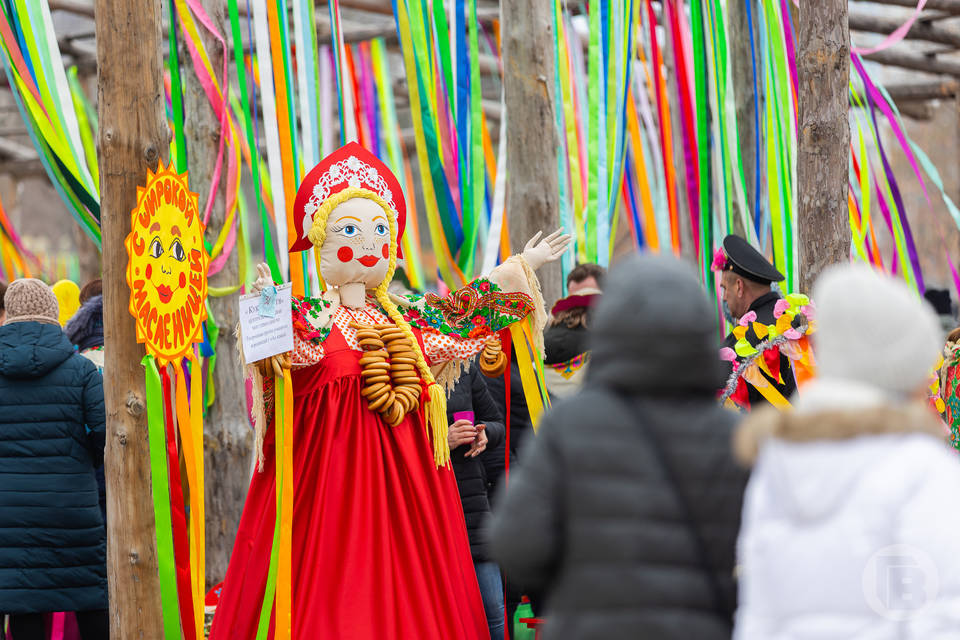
column 719, row 260
column 748, row 317
column 780, row 308
column 792, row 334
column 727, row 354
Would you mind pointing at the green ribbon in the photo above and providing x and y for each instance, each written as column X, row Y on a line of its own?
column 589, row 253
column 703, row 156
column 270, row 589
column 161, row 501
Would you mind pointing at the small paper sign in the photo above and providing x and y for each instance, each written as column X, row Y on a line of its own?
column 266, row 323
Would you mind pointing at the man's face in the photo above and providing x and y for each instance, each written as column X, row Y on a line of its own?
column 732, row 293
column 587, row 283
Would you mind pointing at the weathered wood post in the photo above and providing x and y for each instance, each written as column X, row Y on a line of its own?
column 133, row 136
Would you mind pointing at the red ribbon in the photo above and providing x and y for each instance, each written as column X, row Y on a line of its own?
column 181, row 550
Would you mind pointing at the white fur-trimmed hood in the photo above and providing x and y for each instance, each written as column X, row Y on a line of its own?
column 835, row 410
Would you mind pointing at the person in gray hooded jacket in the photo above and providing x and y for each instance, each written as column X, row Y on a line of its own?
column 626, row 507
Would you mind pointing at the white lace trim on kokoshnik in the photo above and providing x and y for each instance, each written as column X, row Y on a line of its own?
column 356, row 173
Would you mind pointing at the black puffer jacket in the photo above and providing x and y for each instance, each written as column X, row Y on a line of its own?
column 471, row 394
column 52, row 539
column 591, row 515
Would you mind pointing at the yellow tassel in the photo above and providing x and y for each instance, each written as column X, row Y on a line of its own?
column 436, row 411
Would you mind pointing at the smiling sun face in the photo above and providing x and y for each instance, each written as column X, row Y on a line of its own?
column 167, row 271
column 357, row 244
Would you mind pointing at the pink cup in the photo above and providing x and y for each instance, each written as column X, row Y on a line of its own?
column 463, row 415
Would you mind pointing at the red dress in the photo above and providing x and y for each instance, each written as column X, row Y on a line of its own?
column 379, row 542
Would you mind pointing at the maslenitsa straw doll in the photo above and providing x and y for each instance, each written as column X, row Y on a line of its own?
column 379, row 544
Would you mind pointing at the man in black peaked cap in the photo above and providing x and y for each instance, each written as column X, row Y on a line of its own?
column 745, row 281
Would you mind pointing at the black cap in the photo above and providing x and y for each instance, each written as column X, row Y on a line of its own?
column 746, row 261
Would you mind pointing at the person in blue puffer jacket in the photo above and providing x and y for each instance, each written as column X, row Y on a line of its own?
column 52, row 429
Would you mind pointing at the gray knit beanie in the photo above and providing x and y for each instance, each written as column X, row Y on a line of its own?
column 30, row 300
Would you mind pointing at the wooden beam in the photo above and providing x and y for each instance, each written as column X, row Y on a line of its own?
column 78, row 7
column 919, row 91
column 916, row 62
column 17, row 151
column 919, row 111
column 823, row 65
column 132, row 138
column 949, row 6
column 23, row 168
column 873, row 23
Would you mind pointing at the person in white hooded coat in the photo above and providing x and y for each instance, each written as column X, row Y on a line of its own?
column 851, row 519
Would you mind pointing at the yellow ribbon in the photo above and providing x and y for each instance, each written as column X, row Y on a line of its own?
column 284, row 453
column 190, row 424
column 527, row 376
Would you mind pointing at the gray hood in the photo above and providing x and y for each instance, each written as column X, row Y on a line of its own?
column 654, row 332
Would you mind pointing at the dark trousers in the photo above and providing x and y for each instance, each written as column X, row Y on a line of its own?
column 94, row 625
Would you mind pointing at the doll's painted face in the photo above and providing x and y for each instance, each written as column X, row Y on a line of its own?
column 357, row 244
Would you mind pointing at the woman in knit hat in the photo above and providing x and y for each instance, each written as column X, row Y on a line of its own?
column 52, row 538
column 851, row 517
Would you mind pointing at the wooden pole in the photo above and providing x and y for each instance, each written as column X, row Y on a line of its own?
column 823, row 58
column 132, row 138
column 532, row 196
column 227, row 436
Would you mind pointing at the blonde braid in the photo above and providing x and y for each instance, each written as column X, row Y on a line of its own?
column 436, row 409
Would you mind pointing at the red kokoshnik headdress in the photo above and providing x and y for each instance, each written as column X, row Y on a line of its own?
column 349, row 166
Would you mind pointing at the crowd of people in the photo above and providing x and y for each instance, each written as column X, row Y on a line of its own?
column 52, row 495
column 641, row 507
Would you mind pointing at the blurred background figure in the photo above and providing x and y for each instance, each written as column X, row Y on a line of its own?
column 85, row 328
column 626, row 507
column 68, row 299
column 565, row 339
column 949, row 389
column 939, row 299
column 3, row 309
column 851, row 516
column 475, row 425
column 52, row 538
column 746, row 280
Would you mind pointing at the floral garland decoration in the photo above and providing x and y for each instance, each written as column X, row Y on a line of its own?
column 789, row 335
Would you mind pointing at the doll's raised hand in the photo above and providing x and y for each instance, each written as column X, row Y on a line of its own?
column 539, row 252
column 264, row 279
